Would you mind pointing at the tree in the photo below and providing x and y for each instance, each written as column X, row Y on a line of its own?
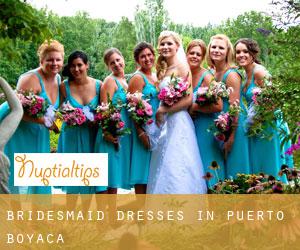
column 151, row 21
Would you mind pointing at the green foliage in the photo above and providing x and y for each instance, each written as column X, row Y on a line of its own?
column 149, row 22
column 20, row 20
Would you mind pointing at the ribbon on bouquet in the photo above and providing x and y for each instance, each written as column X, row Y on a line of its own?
column 49, row 116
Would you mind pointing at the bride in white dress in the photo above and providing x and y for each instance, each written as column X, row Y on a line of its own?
column 176, row 166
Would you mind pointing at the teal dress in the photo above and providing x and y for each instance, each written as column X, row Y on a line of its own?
column 118, row 160
column 265, row 154
column 30, row 137
column 208, row 146
column 140, row 156
column 80, row 139
column 238, row 158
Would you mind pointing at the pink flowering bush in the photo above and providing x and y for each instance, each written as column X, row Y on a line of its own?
column 140, row 110
column 176, row 89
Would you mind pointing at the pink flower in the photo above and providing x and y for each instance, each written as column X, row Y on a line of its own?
column 116, row 116
column 202, row 90
column 140, row 112
column 120, row 125
column 221, row 137
column 149, row 122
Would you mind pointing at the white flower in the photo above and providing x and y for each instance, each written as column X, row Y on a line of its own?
column 89, row 115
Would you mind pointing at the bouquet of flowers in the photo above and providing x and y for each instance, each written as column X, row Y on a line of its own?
column 176, row 89
column 33, row 105
column 140, row 110
column 211, row 94
column 226, row 122
column 109, row 118
column 261, row 113
column 75, row 116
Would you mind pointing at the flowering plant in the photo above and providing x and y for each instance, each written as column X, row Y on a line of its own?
column 226, row 122
column 258, row 184
column 174, row 91
column 109, row 118
column 211, row 94
column 75, row 116
column 140, row 110
column 33, row 105
column 261, row 113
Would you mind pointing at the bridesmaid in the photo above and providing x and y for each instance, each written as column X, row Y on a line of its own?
column 204, row 115
column 265, row 155
column 32, row 135
column 220, row 58
column 115, row 87
column 143, row 81
column 80, row 91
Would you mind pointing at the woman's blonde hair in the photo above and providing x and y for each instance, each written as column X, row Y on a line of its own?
column 161, row 64
column 195, row 43
column 229, row 55
column 49, row 46
column 108, row 53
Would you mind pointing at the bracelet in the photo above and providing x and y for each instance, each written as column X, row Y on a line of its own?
column 142, row 133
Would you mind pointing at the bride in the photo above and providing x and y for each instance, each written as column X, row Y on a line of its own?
column 176, row 166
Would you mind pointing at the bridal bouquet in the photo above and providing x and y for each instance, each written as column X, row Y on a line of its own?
column 75, row 116
column 109, row 118
column 211, row 94
column 140, row 110
column 261, row 113
column 33, row 105
column 37, row 107
column 176, row 89
column 226, row 122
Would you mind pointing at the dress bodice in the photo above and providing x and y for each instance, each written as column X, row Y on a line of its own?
column 43, row 93
column 120, row 94
column 248, row 93
column 150, row 92
column 92, row 104
column 164, row 82
column 226, row 100
column 201, row 81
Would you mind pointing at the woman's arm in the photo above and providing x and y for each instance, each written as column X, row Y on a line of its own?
column 108, row 89
column 234, row 81
column 136, row 84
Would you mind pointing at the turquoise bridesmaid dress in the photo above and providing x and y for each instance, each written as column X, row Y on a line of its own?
column 265, row 154
column 30, row 137
column 208, row 146
column 238, row 158
column 140, row 156
column 79, row 139
column 118, row 161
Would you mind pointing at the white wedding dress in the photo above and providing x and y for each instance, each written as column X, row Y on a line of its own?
column 176, row 166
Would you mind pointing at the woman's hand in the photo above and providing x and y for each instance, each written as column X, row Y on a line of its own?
column 193, row 110
column 228, row 144
column 110, row 138
column 145, row 140
column 54, row 128
column 160, row 116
